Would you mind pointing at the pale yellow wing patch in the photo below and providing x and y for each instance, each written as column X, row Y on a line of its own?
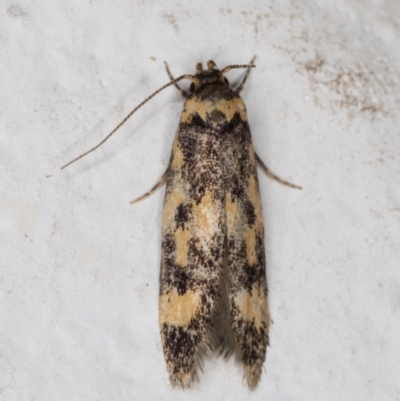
column 182, row 238
column 179, row 310
column 227, row 107
column 206, row 215
column 253, row 307
column 251, row 246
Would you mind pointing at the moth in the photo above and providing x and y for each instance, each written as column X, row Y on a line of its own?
column 213, row 287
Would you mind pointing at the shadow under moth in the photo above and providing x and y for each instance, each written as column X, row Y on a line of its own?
column 213, row 287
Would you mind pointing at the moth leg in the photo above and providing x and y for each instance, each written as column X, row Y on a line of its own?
column 273, row 176
column 158, row 185
column 241, row 86
column 182, row 91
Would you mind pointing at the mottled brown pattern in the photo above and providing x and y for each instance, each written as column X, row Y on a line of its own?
column 213, row 289
column 246, row 273
column 213, row 239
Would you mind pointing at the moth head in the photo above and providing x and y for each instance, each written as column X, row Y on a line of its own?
column 211, row 76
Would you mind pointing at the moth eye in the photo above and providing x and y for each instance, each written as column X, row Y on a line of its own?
column 226, row 81
column 191, row 87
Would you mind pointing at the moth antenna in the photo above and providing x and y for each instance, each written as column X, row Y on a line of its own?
column 182, row 91
column 231, row 67
column 185, row 76
column 241, row 86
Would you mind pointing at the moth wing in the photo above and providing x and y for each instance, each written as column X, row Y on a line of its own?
column 247, row 290
column 192, row 255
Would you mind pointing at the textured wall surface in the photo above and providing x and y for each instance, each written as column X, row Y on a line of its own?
column 79, row 266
